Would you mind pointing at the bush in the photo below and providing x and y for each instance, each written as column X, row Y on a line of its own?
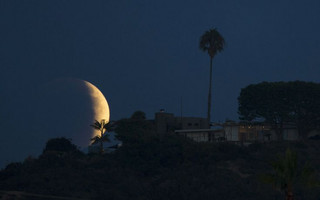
column 60, row 144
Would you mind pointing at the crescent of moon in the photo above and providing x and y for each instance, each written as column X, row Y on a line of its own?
column 100, row 104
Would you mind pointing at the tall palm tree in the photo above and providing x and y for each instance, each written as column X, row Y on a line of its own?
column 102, row 127
column 212, row 42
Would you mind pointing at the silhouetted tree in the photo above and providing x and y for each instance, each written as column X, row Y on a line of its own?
column 59, row 144
column 102, row 127
column 134, row 129
column 266, row 102
column 305, row 107
column 286, row 174
column 138, row 115
column 278, row 103
column 212, row 42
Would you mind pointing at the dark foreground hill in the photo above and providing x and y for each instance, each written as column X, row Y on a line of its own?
column 157, row 167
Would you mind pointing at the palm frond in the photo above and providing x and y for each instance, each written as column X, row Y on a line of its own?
column 95, row 138
column 96, row 125
column 212, row 42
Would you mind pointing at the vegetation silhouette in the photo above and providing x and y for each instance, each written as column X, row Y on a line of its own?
column 286, row 174
column 280, row 103
column 59, row 145
column 212, row 42
column 152, row 166
column 135, row 129
column 138, row 115
column 102, row 127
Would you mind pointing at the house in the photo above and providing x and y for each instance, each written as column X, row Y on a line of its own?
column 198, row 129
column 167, row 122
column 256, row 132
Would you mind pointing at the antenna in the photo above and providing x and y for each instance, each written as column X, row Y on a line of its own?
column 181, row 108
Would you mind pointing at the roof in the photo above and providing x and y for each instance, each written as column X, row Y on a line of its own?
column 197, row 130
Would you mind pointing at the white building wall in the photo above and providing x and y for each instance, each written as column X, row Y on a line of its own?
column 198, row 137
column 232, row 133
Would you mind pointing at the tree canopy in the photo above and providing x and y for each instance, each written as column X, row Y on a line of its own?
column 278, row 103
column 212, row 42
column 60, row 144
column 138, row 115
column 134, row 129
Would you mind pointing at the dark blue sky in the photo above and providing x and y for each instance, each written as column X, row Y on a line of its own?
column 144, row 55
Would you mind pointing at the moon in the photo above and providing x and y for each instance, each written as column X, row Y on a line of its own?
column 100, row 105
column 66, row 107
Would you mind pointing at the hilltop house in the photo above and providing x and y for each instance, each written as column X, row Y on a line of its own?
column 198, row 129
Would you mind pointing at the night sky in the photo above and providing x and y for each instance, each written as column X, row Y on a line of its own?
column 144, row 55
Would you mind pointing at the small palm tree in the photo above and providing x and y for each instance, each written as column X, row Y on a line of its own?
column 102, row 127
column 287, row 174
column 212, row 42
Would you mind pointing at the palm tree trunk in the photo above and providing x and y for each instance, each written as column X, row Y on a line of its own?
column 289, row 196
column 101, row 143
column 209, row 93
column 289, row 193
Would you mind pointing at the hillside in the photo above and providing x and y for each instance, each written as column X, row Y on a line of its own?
column 149, row 166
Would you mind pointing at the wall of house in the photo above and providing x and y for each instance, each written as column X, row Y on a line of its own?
column 167, row 122
column 232, row 133
column 290, row 134
column 164, row 122
column 191, row 123
column 198, row 136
